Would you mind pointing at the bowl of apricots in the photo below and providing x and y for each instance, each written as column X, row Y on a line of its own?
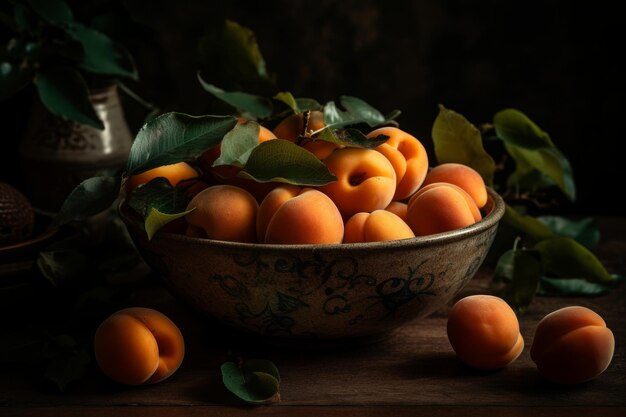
column 387, row 240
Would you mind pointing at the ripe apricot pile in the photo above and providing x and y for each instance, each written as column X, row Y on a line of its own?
column 383, row 193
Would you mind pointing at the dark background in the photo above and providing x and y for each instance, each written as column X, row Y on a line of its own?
column 555, row 61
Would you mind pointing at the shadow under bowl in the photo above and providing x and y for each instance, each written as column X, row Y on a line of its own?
column 321, row 292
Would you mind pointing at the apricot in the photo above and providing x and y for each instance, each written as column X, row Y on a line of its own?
column 366, row 180
column 398, row 208
column 223, row 212
column 572, row 345
column 484, row 332
column 408, row 157
column 293, row 126
column 174, row 173
column 441, row 207
column 299, row 216
column 138, row 346
column 378, row 226
column 460, row 175
column 320, row 148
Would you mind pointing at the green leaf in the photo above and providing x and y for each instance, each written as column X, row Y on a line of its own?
column 61, row 266
column 360, row 110
column 457, row 140
column 261, row 365
column 158, row 193
column 356, row 111
column 566, row 258
column 90, row 197
column 305, row 104
column 159, row 203
column 176, row 137
column 64, row 92
column 284, row 161
column 572, row 287
column 549, row 161
column 583, row 231
column 55, row 12
column 156, row 220
column 287, row 98
column 514, row 127
column 238, row 144
column 255, row 105
column 68, row 364
column 250, row 382
column 529, row 225
column 101, row 54
column 243, row 51
column 13, row 77
column 521, row 270
column 351, row 137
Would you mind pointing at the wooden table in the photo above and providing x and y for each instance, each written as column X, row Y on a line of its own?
column 413, row 372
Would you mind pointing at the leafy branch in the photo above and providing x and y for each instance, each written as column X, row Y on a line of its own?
column 550, row 255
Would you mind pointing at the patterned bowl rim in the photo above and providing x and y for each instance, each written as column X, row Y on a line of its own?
column 495, row 209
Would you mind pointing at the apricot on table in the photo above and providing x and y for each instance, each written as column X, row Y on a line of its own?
column 366, row 180
column 408, row 157
column 138, row 346
column 441, row 207
column 223, row 212
column 290, row 215
column 174, row 173
column 378, row 226
column 484, row 332
column 460, row 175
column 572, row 345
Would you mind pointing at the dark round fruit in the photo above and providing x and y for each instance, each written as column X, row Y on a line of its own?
column 16, row 216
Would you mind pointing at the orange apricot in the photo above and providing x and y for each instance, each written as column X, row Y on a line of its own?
column 378, row 226
column 308, row 217
column 138, row 346
column 441, row 207
column 484, row 332
column 320, row 148
column 174, row 173
column 572, row 345
column 223, row 212
column 293, row 126
column 366, row 180
column 398, row 208
column 408, row 157
column 463, row 176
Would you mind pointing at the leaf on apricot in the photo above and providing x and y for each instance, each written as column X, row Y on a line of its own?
column 351, row 137
column 175, row 137
column 255, row 381
column 159, row 204
column 257, row 106
column 457, row 140
column 520, row 270
column 583, row 230
column 306, row 104
column 238, row 144
column 284, row 161
column 356, row 111
column 90, row 197
column 564, row 257
column 514, row 127
column 155, row 220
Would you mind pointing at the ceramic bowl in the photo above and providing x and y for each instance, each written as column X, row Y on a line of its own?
column 319, row 291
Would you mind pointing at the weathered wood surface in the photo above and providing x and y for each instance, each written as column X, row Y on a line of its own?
column 412, row 372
